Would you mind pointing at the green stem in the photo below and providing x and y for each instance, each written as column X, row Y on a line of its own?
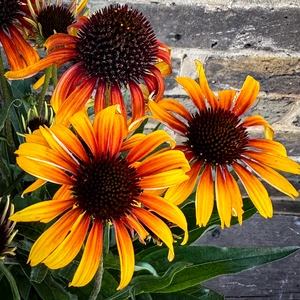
column 3, row 82
column 98, row 280
column 54, row 76
column 4, row 172
column 41, row 98
column 11, row 280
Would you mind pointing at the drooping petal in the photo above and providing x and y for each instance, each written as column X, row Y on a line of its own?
column 235, row 195
column 116, row 98
column 148, row 144
column 223, row 199
column 194, row 91
column 162, row 162
column 90, row 260
column 100, row 97
column 256, row 191
column 84, row 128
column 167, row 210
column 126, row 253
column 205, row 197
column 44, row 171
column 70, row 246
column 44, row 211
column 132, row 222
column 247, row 96
column 110, row 130
column 166, row 117
column 137, row 100
column 278, row 162
column 210, row 96
column 179, row 193
column 273, row 178
column 259, row 121
column 164, row 68
column 160, row 85
column 268, row 146
column 157, row 226
column 52, row 237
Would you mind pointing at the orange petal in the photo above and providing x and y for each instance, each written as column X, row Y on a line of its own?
column 110, row 130
column 84, row 128
column 137, row 100
column 126, row 253
column 278, row 162
column 210, row 96
column 256, row 191
column 273, row 178
column 166, row 117
column 246, row 97
column 116, row 98
column 162, row 162
column 44, row 171
column 70, row 246
column 164, row 68
column 91, row 256
column 226, row 98
column 52, row 237
column 179, row 193
column 132, row 141
column 194, row 91
column 157, row 226
column 37, row 184
column 44, row 211
column 223, row 199
column 148, row 144
column 132, row 222
column 160, row 85
column 268, row 146
column 259, row 121
column 63, row 192
column 205, row 197
column 100, row 97
column 167, row 210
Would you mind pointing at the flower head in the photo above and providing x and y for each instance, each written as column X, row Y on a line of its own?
column 6, row 230
column 219, row 147
column 103, row 180
column 112, row 49
column 49, row 18
column 18, row 52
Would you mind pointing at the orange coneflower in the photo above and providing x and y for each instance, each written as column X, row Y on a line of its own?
column 111, row 49
column 19, row 53
column 100, row 185
column 219, row 148
column 48, row 18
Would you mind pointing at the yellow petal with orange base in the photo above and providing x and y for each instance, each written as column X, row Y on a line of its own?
column 126, row 253
column 205, row 197
column 256, row 191
column 259, row 121
column 226, row 98
column 268, row 146
column 179, row 193
column 167, row 210
column 52, row 237
column 157, row 226
column 44, row 211
column 91, row 257
column 71, row 245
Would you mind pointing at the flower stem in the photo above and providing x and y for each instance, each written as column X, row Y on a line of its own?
column 11, row 280
column 54, row 76
column 98, row 280
column 41, row 98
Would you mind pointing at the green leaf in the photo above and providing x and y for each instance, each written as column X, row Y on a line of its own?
column 11, row 281
column 145, row 266
column 148, row 283
column 206, row 262
column 38, row 273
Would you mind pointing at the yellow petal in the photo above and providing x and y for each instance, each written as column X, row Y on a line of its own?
column 43, row 211
column 163, row 179
column 132, row 141
column 91, row 256
column 37, row 184
column 148, row 144
column 157, row 226
column 167, row 210
column 179, row 193
column 205, row 197
column 126, row 253
column 259, row 121
column 268, row 146
column 52, row 237
column 256, row 191
column 273, row 178
column 70, row 246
